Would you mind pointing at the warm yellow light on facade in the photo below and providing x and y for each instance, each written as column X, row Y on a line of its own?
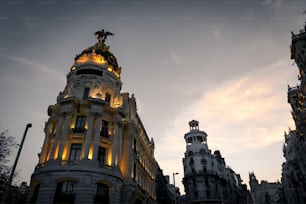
column 72, row 126
column 73, row 68
column 56, row 151
column 110, row 68
column 90, row 153
column 117, row 74
column 65, row 153
column 93, row 57
column 109, row 158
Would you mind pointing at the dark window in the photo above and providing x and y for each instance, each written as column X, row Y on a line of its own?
column 35, row 193
column 138, row 201
column 102, row 194
column 208, row 193
column 196, row 194
column 75, row 152
column 104, row 130
column 64, row 192
column 191, row 161
column 189, row 140
column 86, row 93
column 80, row 124
column 101, row 154
column 203, row 161
column 89, row 71
column 134, row 170
column 107, row 97
column 206, row 183
column 194, row 183
column 135, row 146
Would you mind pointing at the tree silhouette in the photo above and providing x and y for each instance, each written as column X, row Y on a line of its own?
column 7, row 145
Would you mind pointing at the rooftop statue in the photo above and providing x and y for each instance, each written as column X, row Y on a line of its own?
column 102, row 35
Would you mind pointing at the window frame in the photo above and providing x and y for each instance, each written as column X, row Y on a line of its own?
column 76, row 151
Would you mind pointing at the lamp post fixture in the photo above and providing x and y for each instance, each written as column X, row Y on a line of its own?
column 8, row 187
column 176, row 173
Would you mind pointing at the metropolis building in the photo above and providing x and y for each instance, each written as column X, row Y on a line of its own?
column 294, row 168
column 96, row 149
column 207, row 179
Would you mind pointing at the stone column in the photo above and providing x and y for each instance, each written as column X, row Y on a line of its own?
column 89, row 135
column 116, row 142
column 97, row 137
column 115, row 139
column 64, row 135
column 45, row 149
column 119, row 141
column 58, row 132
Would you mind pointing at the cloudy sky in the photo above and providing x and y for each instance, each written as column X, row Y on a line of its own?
column 224, row 63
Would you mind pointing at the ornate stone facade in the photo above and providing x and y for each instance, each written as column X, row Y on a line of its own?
column 207, row 179
column 96, row 149
column 294, row 169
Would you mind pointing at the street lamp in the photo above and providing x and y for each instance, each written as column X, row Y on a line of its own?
column 176, row 173
column 8, row 187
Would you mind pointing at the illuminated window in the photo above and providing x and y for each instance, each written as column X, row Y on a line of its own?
column 85, row 93
column 75, row 152
column 80, row 124
column 101, row 154
column 102, row 194
column 104, row 130
column 65, row 192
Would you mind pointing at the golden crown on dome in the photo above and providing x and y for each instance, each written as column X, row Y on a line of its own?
column 100, row 54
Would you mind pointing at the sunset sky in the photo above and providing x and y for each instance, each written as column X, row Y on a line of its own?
column 224, row 63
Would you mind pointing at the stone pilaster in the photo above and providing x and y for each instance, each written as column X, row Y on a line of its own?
column 89, row 135
column 64, row 135
column 45, row 148
column 116, row 142
column 97, row 137
column 58, row 132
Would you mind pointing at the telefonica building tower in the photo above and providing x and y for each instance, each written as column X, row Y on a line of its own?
column 95, row 149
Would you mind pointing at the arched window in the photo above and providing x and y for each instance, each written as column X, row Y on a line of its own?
column 102, row 194
column 65, row 192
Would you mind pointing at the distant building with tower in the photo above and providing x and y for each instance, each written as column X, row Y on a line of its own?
column 264, row 192
column 294, row 168
column 96, row 149
column 207, row 179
